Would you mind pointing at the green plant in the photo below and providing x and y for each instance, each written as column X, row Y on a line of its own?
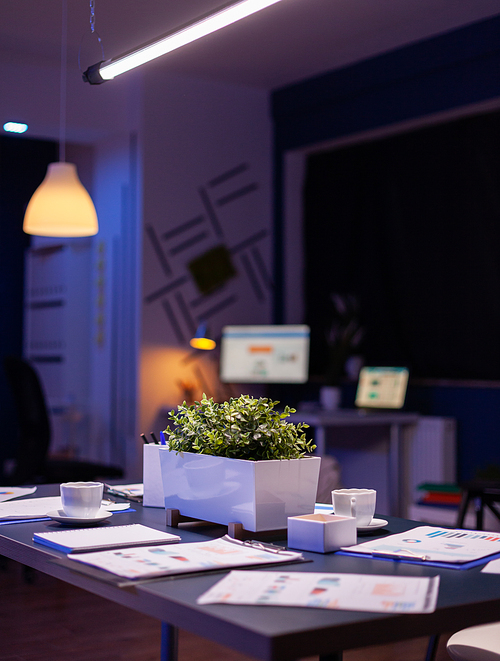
column 343, row 335
column 241, row 428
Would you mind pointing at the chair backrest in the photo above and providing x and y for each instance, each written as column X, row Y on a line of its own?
column 33, row 419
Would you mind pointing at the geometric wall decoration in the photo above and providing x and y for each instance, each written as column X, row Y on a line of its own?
column 196, row 288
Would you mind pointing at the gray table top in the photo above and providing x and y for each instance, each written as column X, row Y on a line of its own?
column 466, row 597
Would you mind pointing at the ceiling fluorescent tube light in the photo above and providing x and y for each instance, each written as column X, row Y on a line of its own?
column 226, row 15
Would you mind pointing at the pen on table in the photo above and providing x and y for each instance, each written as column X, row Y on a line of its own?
column 399, row 555
column 143, row 436
column 152, row 434
column 122, row 494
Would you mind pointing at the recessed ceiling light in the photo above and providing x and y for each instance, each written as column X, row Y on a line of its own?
column 15, row 127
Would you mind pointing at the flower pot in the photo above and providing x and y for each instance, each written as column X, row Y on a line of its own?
column 329, row 397
column 260, row 495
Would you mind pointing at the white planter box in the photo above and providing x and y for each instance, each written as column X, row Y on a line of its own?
column 260, row 495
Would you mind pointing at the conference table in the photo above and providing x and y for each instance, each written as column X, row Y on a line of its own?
column 466, row 597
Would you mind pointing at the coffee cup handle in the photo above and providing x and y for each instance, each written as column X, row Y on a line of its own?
column 353, row 507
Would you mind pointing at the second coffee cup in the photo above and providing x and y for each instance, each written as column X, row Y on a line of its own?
column 359, row 503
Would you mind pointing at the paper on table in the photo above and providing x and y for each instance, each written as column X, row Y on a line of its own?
column 35, row 508
column 30, row 508
column 436, row 544
column 150, row 561
column 8, row 493
column 493, row 567
column 129, row 489
column 358, row 592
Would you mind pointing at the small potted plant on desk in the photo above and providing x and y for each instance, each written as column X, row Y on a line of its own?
column 238, row 461
column 343, row 337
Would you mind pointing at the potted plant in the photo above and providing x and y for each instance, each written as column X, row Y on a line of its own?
column 342, row 337
column 238, row 461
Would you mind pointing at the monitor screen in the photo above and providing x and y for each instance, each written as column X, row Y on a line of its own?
column 382, row 387
column 264, row 354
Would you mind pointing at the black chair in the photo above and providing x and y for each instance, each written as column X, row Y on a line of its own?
column 32, row 463
column 483, row 493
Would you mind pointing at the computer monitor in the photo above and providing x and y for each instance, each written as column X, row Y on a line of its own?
column 264, row 354
column 382, row 387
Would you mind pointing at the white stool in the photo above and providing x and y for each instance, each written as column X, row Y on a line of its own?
column 476, row 643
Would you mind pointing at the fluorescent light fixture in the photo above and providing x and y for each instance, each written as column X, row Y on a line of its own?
column 224, row 16
column 15, row 127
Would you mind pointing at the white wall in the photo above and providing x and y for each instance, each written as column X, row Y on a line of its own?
column 194, row 132
column 160, row 144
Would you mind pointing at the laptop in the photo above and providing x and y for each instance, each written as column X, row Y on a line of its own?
column 382, row 387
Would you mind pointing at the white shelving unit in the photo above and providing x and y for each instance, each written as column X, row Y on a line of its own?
column 57, row 336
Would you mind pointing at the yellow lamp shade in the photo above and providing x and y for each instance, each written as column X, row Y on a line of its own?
column 204, row 343
column 202, row 339
column 61, row 206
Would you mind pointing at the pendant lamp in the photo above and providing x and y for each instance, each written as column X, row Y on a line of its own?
column 61, row 206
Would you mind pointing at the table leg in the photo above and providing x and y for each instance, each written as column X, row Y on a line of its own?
column 169, row 642
column 394, row 470
column 432, row 648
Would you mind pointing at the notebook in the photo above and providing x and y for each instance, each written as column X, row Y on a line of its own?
column 109, row 537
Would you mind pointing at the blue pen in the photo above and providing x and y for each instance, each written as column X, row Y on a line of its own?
column 162, row 438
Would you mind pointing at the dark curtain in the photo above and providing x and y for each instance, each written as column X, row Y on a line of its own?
column 411, row 225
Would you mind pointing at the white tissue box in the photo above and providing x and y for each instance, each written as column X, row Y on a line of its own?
column 321, row 533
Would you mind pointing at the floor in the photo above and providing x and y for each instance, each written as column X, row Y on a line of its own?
column 28, row 631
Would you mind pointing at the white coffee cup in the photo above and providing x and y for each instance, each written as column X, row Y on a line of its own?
column 81, row 499
column 359, row 503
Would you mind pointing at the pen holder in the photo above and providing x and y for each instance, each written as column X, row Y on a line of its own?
column 151, row 475
column 321, row 533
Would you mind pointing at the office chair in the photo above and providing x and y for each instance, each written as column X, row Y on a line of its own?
column 483, row 493
column 32, row 463
column 480, row 643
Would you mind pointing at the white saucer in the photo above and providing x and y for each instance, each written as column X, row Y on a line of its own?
column 375, row 524
column 61, row 517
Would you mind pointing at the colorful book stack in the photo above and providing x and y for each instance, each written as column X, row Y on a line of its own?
column 439, row 495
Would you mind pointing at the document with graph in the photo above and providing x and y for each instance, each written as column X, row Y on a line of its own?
column 166, row 560
column 431, row 544
column 359, row 592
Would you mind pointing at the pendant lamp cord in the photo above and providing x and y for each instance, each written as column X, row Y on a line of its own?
column 64, row 60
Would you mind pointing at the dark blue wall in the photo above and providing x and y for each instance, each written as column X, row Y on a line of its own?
column 446, row 72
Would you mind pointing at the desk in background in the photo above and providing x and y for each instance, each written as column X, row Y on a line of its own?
column 466, row 598
column 395, row 422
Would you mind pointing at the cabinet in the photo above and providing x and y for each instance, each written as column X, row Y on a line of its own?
column 57, row 336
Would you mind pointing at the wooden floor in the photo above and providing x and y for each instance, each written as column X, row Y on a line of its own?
column 47, row 620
